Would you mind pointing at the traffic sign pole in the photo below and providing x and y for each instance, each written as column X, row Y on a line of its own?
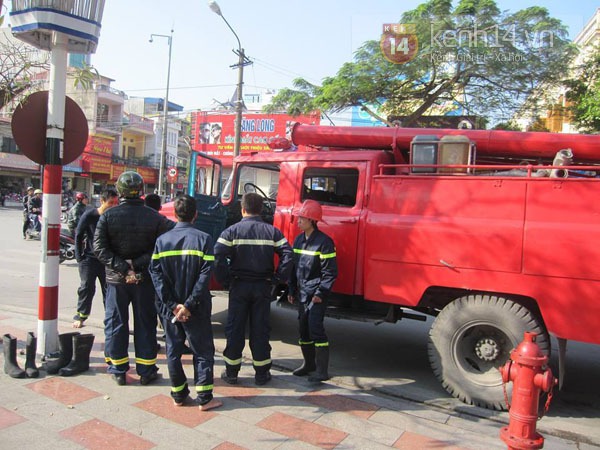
column 47, row 342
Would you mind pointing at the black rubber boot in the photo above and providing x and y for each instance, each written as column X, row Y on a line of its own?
column 309, row 365
column 82, row 347
column 65, row 345
column 11, row 366
column 230, row 374
column 30, row 368
column 322, row 360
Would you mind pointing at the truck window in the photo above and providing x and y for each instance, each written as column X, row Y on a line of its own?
column 336, row 187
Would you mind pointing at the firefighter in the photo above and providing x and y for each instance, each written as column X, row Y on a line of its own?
column 245, row 263
column 180, row 269
column 77, row 211
column 123, row 242
column 313, row 275
column 26, row 210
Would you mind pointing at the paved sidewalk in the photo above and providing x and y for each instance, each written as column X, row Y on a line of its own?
column 90, row 411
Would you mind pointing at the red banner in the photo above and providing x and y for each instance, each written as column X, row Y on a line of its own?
column 99, row 145
column 96, row 164
column 117, row 169
column 150, row 176
column 214, row 134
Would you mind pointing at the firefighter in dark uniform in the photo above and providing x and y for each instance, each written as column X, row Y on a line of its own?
column 245, row 263
column 123, row 242
column 313, row 275
column 181, row 265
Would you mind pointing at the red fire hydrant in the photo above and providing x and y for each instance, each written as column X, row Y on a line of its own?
column 526, row 369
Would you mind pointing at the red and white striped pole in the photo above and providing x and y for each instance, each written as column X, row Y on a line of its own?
column 47, row 342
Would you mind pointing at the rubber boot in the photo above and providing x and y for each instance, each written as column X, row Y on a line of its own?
column 230, row 374
column 82, row 347
column 309, row 365
column 11, row 366
column 322, row 360
column 30, row 368
column 65, row 346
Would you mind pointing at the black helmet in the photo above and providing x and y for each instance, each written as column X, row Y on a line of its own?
column 130, row 185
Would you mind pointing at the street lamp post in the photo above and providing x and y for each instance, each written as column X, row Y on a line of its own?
column 163, row 152
column 242, row 61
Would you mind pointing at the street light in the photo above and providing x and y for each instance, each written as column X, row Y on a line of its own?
column 163, row 153
column 242, row 61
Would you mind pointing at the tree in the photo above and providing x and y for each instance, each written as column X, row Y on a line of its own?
column 20, row 69
column 473, row 56
column 584, row 93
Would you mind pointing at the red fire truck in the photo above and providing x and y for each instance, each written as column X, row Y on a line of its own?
column 493, row 233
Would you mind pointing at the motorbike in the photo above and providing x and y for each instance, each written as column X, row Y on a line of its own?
column 66, row 246
column 33, row 231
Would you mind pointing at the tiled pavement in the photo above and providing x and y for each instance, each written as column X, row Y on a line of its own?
column 91, row 411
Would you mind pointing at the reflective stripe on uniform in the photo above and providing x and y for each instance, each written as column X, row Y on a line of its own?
column 118, row 362
column 321, row 344
column 232, row 362
column 261, row 363
column 208, row 387
column 300, row 342
column 198, row 253
column 327, row 255
column 312, row 253
column 83, row 316
column 179, row 388
column 145, row 362
column 224, row 242
column 281, row 242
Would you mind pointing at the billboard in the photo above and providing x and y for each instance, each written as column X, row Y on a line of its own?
column 214, row 133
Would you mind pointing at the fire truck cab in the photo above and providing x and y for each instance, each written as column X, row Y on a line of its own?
column 489, row 250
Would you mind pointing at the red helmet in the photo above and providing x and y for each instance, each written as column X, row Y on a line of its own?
column 80, row 196
column 310, row 209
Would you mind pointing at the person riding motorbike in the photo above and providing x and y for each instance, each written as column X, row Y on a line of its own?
column 34, row 208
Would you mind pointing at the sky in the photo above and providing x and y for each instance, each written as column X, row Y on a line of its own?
column 285, row 39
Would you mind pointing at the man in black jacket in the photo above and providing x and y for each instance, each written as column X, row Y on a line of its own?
column 123, row 242
column 90, row 268
column 244, row 255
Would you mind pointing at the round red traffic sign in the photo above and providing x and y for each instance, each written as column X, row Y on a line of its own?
column 29, row 123
column 172, row 172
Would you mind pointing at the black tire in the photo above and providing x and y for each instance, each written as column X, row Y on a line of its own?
column 472, row 338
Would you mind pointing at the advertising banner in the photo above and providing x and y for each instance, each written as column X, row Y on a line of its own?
column 214, row 134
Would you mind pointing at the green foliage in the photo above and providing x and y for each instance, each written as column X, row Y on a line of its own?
column 473, row 56
column 584, row 93
column 85, row 76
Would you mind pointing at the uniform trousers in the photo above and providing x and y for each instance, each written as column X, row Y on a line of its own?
column 116, row 327
column 90, row 269
column 311, row 320
column 249, row 301
column 198, row 332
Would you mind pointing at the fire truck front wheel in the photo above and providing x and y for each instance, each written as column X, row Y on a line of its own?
column 472, row 338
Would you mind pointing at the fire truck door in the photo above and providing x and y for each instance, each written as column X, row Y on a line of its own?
column 339, row 189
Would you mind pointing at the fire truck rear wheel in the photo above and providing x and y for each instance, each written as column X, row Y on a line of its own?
column 471, row 338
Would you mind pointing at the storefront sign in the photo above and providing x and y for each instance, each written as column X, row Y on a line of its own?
column 99, row 145
column 150, row 176
column 96, row 164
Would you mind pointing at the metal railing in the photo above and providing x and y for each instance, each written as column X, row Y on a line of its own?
column 86, row 9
